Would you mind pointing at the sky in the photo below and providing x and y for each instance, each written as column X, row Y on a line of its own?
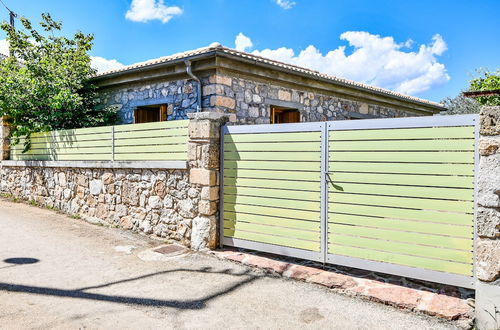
column 429, row 49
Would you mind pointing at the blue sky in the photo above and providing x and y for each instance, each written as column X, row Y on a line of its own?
column 424, row 48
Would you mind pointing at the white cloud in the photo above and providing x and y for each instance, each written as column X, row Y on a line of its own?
column 148, row 10
column 374, row 60
column 285, row 4
column 101, row 64
column 242, row 42
column 4, row 47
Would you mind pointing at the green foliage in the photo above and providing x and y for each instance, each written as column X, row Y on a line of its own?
column 460, row 105
column 45, row 82
column 486, row 81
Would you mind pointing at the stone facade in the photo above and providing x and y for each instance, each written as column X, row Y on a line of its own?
column 488, row 222
column 180, row 97
column 159, row 202
column 249, row 101
column 246, row 101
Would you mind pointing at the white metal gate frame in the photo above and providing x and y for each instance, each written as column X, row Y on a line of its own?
column 323, row 255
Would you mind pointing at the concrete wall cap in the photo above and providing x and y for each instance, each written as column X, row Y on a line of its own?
column 214, row 116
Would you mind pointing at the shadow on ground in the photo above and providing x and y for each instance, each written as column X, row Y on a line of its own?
column 193, row 304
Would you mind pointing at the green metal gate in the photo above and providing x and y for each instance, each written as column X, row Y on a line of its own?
column 389, row 195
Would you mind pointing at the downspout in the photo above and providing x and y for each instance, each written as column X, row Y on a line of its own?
column 190, row 73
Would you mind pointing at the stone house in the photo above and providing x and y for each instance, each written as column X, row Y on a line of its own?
column 251, row 89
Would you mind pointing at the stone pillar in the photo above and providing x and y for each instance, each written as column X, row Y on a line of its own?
column 4, row 139
column 203, row 156
column 488, row 222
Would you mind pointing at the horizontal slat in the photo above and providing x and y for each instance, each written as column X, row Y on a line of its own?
column 465, row 232
column 414, row 203
column 400, row 145
column 273, row 146
column 152, row 126
column 152, row 141
column 268, row 165
column 66, row 151
column 271, row 155
column 170, row 132
column 282, row 175
column 267, row 220
column 276, row 193
column 153, row 148
column 403, row 179
column 277, row 184
column 405, row 191
column 395, row 213
column 89, row 157
column 402, row 168
column 405, row 237
column 273, row 202
column 272, row 211
column 273, row 230
column 276, row 240
column 151, row 156
column 405, row 156
column 411, row 261
column 74, row 144
column 402, row 248
column 273, row 137
column 405, row 133
column 68, row 138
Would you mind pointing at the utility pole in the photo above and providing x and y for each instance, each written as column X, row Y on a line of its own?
column 12, row 15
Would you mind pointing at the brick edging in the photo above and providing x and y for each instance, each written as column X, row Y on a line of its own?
column 430, row 303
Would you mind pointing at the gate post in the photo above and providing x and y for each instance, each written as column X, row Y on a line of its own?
column 204, row 171
column 4, row 139
column 488, row 221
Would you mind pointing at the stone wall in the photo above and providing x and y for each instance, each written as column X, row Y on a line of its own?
column 246, row 101
column 249, row 102
column 153, row 201
column 488, row 221
column 179, row 205
column 179, row 95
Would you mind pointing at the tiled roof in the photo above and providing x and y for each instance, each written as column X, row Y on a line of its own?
column 217, row 47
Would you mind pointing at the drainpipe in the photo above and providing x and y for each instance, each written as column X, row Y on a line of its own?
column 190, row 73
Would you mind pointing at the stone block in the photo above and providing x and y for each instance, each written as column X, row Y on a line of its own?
column 204, row 233
column 210, row 193
column 210, row 156
column 332, row 280
column 203, row 176
column 96, row 187
column 489, row 146
column 218, row 79
column 488, row 222
column 284, row 95
column 223, row 101
column 489, row 181
column 155, row 202
column 490, row 120
column 203, row 129
column 488, row 259
column 206, row 207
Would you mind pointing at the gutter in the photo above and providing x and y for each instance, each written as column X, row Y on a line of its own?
column 199, row 89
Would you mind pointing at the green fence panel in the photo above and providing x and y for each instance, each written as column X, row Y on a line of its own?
column 135, row 142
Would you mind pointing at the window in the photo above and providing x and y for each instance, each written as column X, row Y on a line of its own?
column 280, row 115
column 150, row 113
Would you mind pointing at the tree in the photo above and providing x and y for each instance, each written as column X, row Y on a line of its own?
column 460, row 105
column 487, row 81
column 45, row 82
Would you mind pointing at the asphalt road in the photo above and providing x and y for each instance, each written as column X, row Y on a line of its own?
column 61, row 273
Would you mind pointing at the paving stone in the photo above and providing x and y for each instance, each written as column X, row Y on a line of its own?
column 332, row 280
